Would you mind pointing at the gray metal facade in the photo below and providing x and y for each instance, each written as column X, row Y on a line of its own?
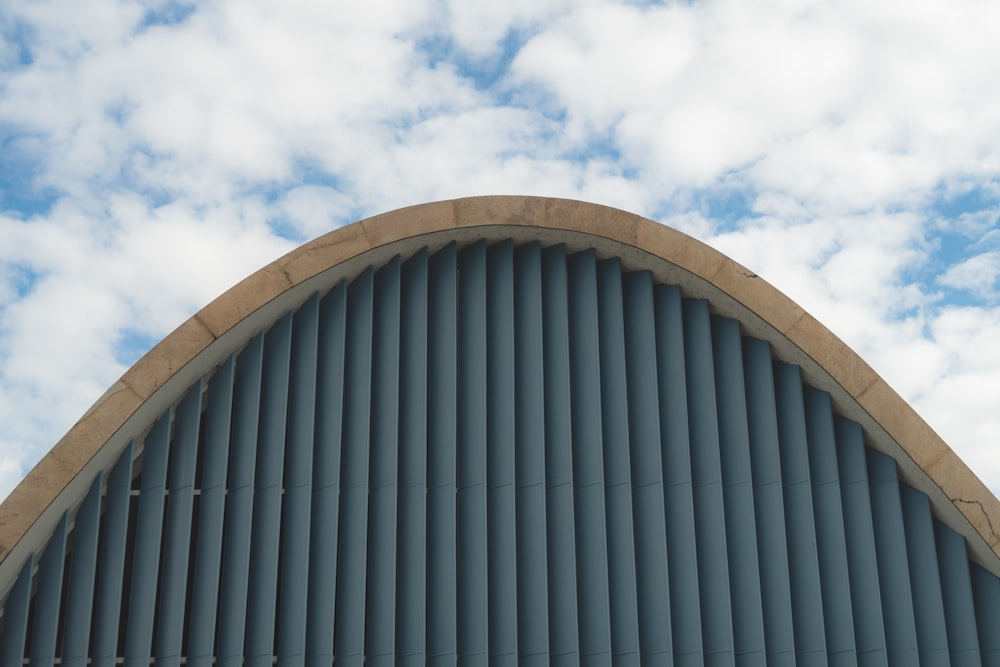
column 508, row 455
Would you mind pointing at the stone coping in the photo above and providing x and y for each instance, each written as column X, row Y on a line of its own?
column 60, row 480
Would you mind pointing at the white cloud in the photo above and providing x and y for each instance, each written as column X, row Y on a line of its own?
column 177, row 155
column 832, row 103
column 978, row 274
column 313, row 209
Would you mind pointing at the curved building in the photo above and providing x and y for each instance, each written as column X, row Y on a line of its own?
column 503, row 429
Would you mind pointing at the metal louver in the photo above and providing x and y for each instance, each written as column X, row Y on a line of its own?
column 508, row 455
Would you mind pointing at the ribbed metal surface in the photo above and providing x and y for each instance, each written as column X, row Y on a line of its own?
column 502, row 455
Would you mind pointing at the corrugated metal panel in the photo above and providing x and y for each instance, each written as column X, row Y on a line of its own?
column 507, row 455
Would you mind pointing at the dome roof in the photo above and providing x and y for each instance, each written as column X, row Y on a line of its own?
column 723, row 311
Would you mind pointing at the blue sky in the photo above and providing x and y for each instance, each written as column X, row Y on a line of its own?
column 154, row 153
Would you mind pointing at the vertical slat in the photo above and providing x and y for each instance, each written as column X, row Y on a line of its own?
column 529, row 457
column 678, row 491
column 859, row 534
column 262, row 591
column 706, row 474
column 828, row 511
column 48, row 597
column 500, row 459
column 148, row 535
column 442, row 397
column 239, row 505
column 325, row 514
column 653, row 594
column 737, row 484
column 82, row 572
column 588, row 463
column 472, row 517
column 380, row 609
column 803, row 561
column 111, row 562
column 925, row 578
column 296, row 510
column 177, row 539
column 617, row 467
column 15, row 617
column 956, row 591
column 296, row 505
column 564, row 641
column 349, row 635
column 893, row 568
column 769, row 509
column 411, row 559
column 986, row 594
column 211, row 517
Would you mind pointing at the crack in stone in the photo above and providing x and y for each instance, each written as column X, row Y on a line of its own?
column 748, row 275
column 982, row 509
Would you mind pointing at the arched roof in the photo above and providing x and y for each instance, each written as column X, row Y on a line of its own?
column 156, row 381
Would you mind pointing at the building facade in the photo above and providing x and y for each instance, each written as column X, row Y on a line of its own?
column 504, row 430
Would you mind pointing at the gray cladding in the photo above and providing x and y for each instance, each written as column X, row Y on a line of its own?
column 502, row 455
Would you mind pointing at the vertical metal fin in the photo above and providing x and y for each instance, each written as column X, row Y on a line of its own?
column 893, row 568
column 588, row 463
column 617, row 465
column 111, row 562
column 148, row 536
column 324, row 520
column 48, row 597
column 646, row 460
column 296, row 510
column 828, row 510
column 957, row 594
column 769, row 507
column 986, row 593
column 531, row 587
column 442, row 397
column 411, row 545
column 79, row 603
column 206, row 569
column 267, row 494
column 14, row 625
column 561, row 540
column 678, row 492
column 706, row 476
column 380, row 599
column 859, row 535
column 471, row 497
column 500, row 457
column 925, row 578
column 177, row 538
column 349, row 633
column 737, row 485
column 233, row 587
column 803, row 561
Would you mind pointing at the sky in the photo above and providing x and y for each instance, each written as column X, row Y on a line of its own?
column 154, row 153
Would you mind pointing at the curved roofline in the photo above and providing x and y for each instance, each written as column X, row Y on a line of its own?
column 61, row 478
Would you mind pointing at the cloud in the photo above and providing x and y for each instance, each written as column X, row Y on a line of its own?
column 833, row 104
column 978, row 274
column 157, row 152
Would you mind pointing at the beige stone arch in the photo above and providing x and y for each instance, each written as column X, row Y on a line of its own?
column 128, row 408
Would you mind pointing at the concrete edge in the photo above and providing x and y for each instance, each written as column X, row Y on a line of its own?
column 62, row 477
